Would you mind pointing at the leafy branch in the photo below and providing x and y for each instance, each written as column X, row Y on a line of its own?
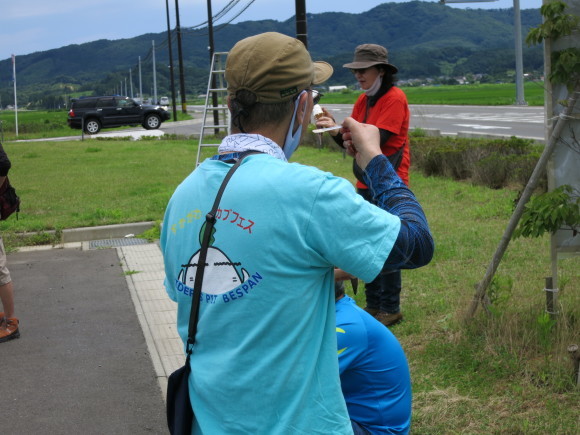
column 550, row 212
column 558, row 24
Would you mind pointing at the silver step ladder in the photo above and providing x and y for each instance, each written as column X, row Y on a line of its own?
column 216, row 116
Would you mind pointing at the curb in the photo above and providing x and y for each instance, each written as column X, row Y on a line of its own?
column 80, row 237
column 434, row 132
column 105, row 232
column 469, row 134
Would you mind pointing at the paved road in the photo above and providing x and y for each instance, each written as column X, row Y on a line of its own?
column 521, row 121
column 82, row 364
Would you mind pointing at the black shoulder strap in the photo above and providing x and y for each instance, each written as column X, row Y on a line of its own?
column 209, row 223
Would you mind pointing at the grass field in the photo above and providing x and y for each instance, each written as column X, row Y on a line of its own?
column 503, row 373
column 485, row 94
column 33, row 124
column 478, row 95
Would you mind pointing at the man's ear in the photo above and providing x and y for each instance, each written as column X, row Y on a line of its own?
column 301, row 112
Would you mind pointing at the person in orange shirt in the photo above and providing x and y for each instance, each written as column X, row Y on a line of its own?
column 385, row 106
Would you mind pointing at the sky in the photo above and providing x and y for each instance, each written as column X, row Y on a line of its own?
column 28, row 26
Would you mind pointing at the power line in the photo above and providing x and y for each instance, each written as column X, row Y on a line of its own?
column 223, row 25
column 227, row 8
column 219, row 15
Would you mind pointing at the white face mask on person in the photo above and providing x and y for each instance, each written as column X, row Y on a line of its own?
column 293, row 139
column 375, row 87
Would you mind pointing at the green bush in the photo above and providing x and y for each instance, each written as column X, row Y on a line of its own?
column 492, row 171
column 493, row 163
column 522, row 167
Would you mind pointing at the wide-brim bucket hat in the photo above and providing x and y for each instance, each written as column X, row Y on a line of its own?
column 367, row 55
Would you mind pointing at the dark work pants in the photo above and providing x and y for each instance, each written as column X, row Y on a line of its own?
column 358, row 429
column 383, row 293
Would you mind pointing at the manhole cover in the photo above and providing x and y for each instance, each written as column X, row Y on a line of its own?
column 114, row 243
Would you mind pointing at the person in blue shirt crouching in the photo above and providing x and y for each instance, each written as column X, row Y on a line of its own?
column 374, row 373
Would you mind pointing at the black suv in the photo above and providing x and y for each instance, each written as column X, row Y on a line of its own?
column 95, row 113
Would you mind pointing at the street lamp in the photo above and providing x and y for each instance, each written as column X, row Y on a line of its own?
column 518, row 47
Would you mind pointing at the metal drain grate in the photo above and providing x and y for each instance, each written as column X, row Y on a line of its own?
column 114, row 243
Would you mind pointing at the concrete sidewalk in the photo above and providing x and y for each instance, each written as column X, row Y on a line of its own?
column 98, row 340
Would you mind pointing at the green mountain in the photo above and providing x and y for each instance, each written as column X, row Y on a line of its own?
column 424, row 39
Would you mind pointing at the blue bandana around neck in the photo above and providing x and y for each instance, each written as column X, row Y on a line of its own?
column 238, row 143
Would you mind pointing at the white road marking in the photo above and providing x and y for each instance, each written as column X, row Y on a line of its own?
column 507, row 117
column 482, row 127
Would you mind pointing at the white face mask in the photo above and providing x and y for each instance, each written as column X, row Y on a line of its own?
column 375, row 87
column 293, row 140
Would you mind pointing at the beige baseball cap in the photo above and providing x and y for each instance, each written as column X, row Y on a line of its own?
column 273, row 66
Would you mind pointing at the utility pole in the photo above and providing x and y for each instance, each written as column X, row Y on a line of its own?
column 214, row 97
column 140, row 82
column 154, row 77
column 301, row 32
column 171, row 62
column 131, row 81
column 180, row 56
column 520, row 100
column 518, row 46
column 15, row 97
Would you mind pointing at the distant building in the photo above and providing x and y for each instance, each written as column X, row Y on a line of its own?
column 336, row 88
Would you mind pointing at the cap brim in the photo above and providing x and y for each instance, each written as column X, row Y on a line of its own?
column 322, row 72
column 360, row 65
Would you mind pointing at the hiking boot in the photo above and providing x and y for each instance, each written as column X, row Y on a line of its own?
column 9, row 330
column 2, row 320
column 372, row 311
column 389, row 319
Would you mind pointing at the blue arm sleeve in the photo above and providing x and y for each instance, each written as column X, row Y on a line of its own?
column 414, row 245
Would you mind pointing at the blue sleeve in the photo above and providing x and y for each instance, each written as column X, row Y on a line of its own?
column 414, row 245
column 345, row 230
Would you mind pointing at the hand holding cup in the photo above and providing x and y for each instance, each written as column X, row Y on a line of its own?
column 362, row 141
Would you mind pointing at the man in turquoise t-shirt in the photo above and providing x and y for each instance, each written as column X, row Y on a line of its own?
column 264, row 359
column 374, row 373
